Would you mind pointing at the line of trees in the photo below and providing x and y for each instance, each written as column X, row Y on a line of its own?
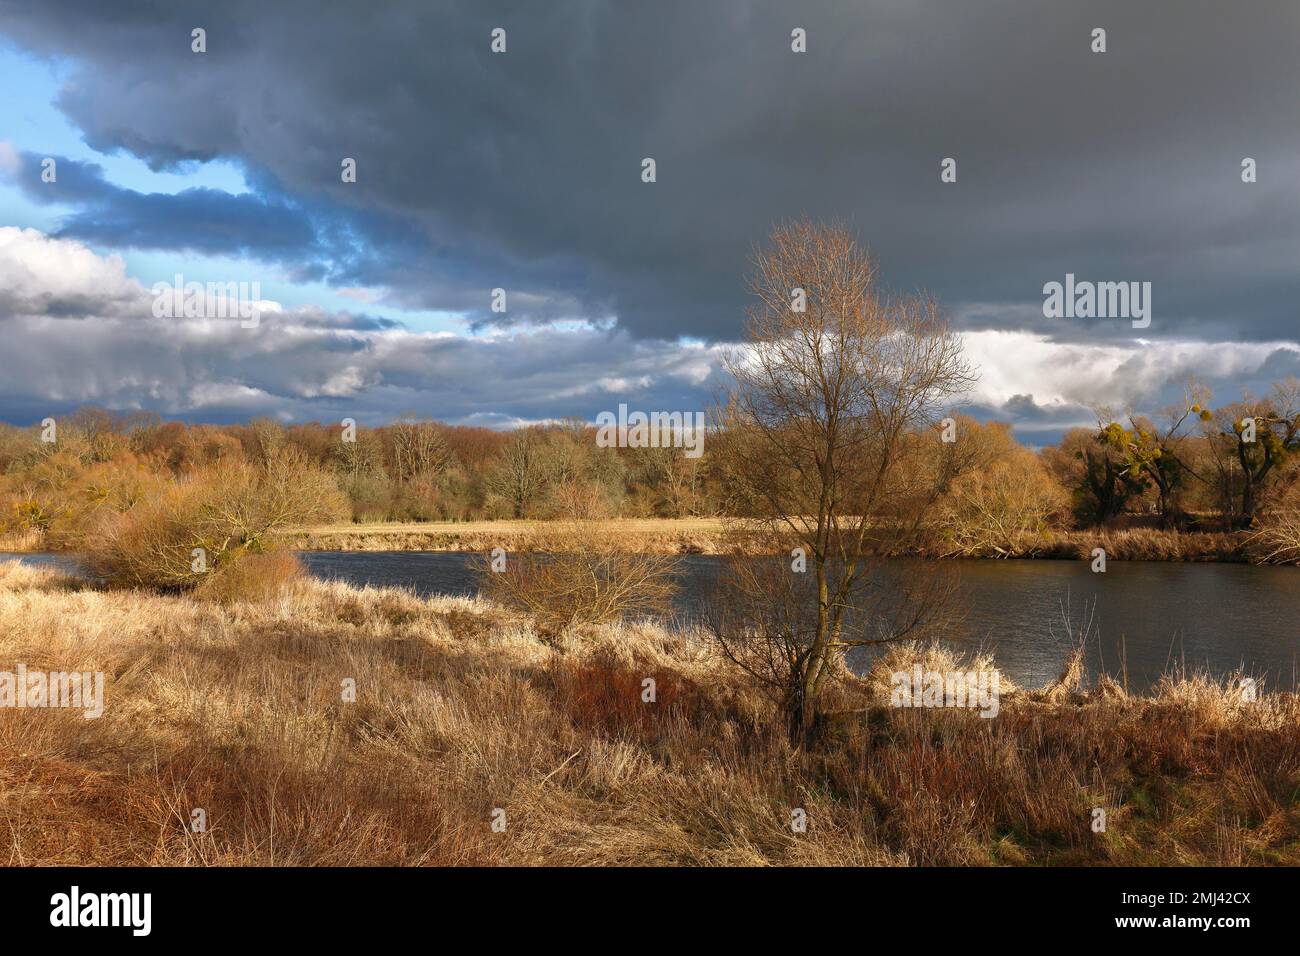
column 1191, row 465
column 53, row 480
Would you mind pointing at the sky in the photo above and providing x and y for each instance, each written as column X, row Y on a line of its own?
column 522, row 171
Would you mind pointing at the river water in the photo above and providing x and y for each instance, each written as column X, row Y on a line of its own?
column 1148, row 617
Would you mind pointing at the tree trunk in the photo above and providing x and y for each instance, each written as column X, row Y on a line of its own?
column 1247, row 517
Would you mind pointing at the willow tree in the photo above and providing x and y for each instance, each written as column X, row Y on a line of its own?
column 1253, row 444
column 820, row 442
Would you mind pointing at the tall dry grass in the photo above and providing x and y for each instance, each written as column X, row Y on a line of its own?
column 29, row 539
column 238, row 709
column 1277, row 539
column 660, row 536
column 1124, row 544
column 673, row 537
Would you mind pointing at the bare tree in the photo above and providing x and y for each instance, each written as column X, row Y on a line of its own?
column 676, row 479
column 1001, row 508
column 818, row 437
column 518, row 478
column 266, row 437
column 362, row 458
column 418, row 449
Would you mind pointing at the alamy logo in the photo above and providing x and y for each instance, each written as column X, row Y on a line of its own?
column 922, row 688
column 35, row 689
column 215, row 300
column 655, row 430
column 1098, row 300
column 103, row 909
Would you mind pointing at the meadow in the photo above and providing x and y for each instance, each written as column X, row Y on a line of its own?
column 463, row 715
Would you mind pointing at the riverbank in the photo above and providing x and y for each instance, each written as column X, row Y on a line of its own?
column 461, row 716
column 714, row 536
column 1129, row 544
column 23, row 542
column 640, row 535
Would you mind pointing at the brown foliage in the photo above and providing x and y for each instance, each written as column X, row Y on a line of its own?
column 605, row 696
column 590, row 582
column 174, row 537
column 252, row 577
column 1000, row 507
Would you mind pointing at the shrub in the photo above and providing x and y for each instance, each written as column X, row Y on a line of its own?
column 999, row 508
column 590, row 582
column 602, row 696
column 176, row 536
column 252, row 577
column 1277, row 540
column 153, row 544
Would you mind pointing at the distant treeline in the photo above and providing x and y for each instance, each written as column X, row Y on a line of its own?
column 1191, row 465
column 51, row 476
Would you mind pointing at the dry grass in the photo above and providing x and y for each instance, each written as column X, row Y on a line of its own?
column 461, row 709
column 663, row 536
column 668, row 536
column 252, row 578
column 1130, row 544
column 30, row 539
column 1278, row 540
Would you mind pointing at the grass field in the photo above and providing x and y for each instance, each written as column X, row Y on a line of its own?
column 462, row 716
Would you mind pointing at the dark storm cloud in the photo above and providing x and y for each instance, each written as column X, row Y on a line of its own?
column 315, row 241
column 522, row 170
column 199, row 220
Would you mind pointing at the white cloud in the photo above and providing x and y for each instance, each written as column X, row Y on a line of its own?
column 78, row 329
column 10, row 164
column 87, row 334
column 45, row 276
column 1013, row 363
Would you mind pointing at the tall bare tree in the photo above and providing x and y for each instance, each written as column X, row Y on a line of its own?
column 518, row 478
column 818, row 438
column 418, row 449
